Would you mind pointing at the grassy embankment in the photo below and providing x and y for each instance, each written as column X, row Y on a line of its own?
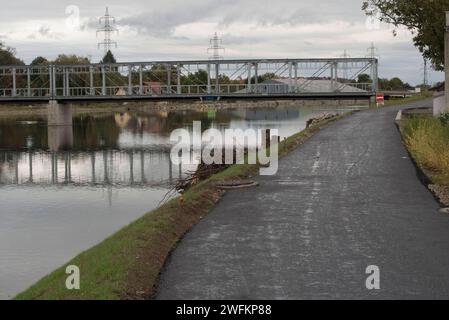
column 427, row 139
column 127, row 264
column 422, row 96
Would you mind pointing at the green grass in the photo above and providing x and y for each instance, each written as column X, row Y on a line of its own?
column 427, row 139
column 127, row 264
column 418, row 97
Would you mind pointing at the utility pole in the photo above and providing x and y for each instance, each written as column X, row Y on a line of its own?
column 446, row 60
column 426, row 74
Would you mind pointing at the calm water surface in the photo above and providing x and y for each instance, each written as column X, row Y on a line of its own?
column 63, row 190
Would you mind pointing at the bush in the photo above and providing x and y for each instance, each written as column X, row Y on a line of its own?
column 444, row 118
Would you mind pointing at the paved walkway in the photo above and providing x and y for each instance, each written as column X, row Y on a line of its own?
column 348, row 198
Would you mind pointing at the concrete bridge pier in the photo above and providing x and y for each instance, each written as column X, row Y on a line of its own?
column 59, row 114
column 60, row 126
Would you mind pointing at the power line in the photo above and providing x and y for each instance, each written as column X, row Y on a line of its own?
column 107, row 26
column 215, row 47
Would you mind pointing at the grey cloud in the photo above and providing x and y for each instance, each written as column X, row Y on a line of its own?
column 44, row 30
column 162, row 22
column 285, row 12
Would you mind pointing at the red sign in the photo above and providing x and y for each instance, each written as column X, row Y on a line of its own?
column 380, row 98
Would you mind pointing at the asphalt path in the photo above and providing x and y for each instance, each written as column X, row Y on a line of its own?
column 346, row 199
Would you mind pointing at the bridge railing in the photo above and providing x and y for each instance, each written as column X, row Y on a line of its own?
column 25, row 93
column 185, row 90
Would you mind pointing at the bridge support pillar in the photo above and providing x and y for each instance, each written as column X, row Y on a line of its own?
column 372, row 101
column 60, row 130
column 59, row 114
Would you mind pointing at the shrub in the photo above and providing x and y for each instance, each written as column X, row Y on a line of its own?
column 444, row 118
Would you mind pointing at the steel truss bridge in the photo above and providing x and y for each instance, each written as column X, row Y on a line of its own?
column 190, row 79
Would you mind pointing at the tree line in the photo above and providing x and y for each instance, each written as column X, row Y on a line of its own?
column 392, row 84
column 157, row 73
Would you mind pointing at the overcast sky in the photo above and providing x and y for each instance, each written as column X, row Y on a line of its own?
column 180, row 29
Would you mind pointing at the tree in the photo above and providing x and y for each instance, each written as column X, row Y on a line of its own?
column 396, row 84
column 39, row 80
column 384, row 84
column 71, row 59
column 263, row 77
column 39, row 61
column 364, row 78
column 108, row 58
column 8, row 56
column 424, row 18
column 197, row 78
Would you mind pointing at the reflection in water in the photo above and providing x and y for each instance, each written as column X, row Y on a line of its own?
column 134, row 168
column 64, row 189
column 117, row 149
column 60, row 138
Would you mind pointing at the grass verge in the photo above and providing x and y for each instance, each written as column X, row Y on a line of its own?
column 427, row 140
column 395, row 102
column 127, row 264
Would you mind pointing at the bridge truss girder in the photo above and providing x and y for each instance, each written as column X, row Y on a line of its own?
column 264, row 77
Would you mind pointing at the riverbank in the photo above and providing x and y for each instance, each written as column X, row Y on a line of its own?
column 14, row 110
column 427, row 140
column 127, row 264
